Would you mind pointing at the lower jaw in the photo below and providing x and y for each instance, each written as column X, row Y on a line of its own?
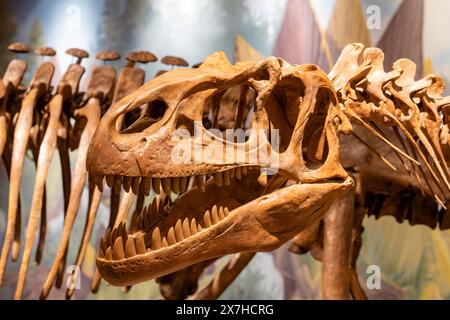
column 261, row 225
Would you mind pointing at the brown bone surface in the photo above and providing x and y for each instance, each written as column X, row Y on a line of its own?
column 395, row 146
column 286, row 98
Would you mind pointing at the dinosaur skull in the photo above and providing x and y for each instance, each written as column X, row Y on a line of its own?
column 219, row 217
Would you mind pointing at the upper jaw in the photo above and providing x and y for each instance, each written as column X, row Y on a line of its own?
column 260, row 225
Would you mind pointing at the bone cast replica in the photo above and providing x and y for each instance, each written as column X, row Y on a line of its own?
column 358, row 141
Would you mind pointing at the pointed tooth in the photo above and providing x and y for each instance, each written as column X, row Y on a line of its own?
column 108, row 254
column 100, row 253
column 127, row 183
column 117, row 184
column 98, row 180
column 167, row 203
column 193, row 226
column 218, row 178
column 221, row 214
column 226, row 178
column 135, row 181
column 151, row 216
column 134, row 222
column 118, row 250
column 154, row 208
column 166, row 185
column 183, row 184
column 232, row 171
column 175, row 182
column 119, row 229
column 145, row 219
column 114, row 235
column 140, row 222
column 145, row 185
column 160, row 202
column 156, row 239
column 226, row 212
column 179, row 231
column 140, row 244
column 103, row 245
column 130, row 249
column 200, row 182
column 108, row 240
column 238, row 173
column 214, row 215
column 171, row 237
column 124, row 232
column 110, row 181
column 164, row 242
column 244, row 171
column 199, row 228
column 207, row 219
column 156, row 183
column 186, row 229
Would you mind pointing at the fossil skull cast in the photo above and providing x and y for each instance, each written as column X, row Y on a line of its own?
column 297, row 104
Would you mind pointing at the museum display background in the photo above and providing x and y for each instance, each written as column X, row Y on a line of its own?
column 414, row 261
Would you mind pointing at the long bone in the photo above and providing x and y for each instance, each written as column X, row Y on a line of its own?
column 67, row 89
column 338, row 223
column 39, row 88
column 130, row 79
column 8, row 89
column 63, row 142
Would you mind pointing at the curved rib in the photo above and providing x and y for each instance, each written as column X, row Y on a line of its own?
column 20, row 145
column 46, row 153
column 78, row 182
column 63, row 148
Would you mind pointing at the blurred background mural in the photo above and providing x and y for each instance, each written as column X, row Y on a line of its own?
column 414, row 260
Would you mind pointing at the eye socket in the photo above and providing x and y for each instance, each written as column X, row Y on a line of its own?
column 314, row 143
column 142, row 118
column 156, row 109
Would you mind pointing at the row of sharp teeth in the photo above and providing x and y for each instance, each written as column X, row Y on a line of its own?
column 177, row 185
column 151, row 214
column 117, row 245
